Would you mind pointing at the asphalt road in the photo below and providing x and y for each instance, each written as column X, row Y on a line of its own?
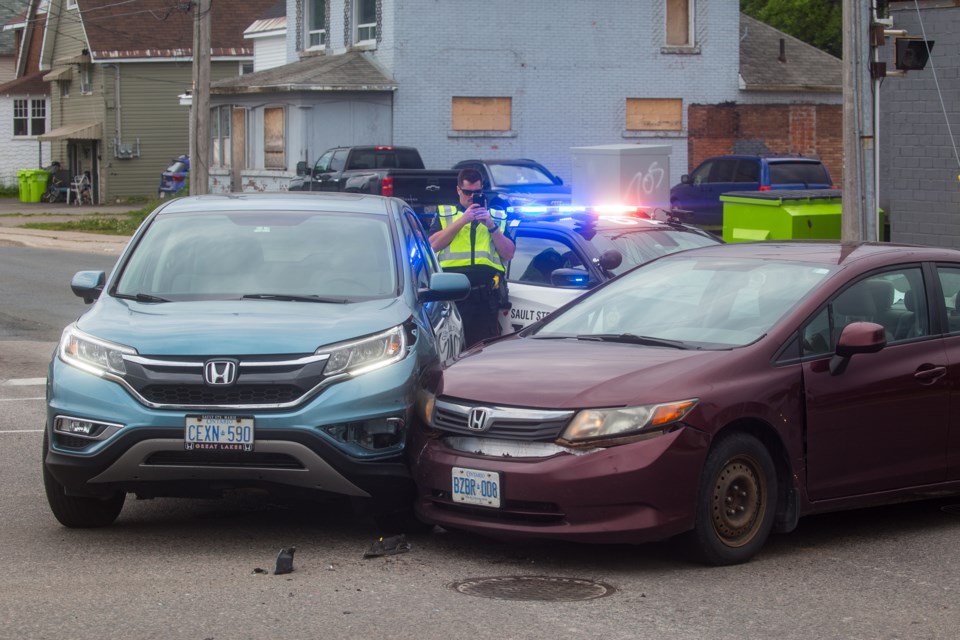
column 188, row 569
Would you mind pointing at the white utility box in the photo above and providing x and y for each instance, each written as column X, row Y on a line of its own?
column 628, row 174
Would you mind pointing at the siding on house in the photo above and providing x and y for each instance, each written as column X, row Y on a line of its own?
column 919, row 168
column 269, row 52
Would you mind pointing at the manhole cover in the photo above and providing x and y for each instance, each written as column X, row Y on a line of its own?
column 952, row 509
column 546, row 588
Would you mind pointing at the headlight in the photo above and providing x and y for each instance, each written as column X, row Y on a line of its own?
column 92, row 354
column 625, row 422
column 361, row 356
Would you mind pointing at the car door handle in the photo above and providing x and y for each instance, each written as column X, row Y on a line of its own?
column 931, row 375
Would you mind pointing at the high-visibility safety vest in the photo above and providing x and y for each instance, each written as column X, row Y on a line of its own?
column 458, row 253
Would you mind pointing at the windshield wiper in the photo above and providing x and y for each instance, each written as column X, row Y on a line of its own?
column 630, row 338
column 141, row 297
column 292, row 298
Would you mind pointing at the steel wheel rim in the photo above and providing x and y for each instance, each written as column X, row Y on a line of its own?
column 738, row 502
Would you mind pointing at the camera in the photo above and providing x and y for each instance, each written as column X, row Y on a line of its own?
column 480, row 199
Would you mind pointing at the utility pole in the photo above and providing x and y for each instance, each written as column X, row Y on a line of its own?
column 200, row 109
column 859, row 219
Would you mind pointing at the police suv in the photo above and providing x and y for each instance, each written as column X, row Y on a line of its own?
column 562, row 252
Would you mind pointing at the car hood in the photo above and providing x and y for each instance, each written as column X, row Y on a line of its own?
column 569, row 374
column 246, row 327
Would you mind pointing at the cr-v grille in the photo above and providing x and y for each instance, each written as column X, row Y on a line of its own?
column 239, row 394
column 177, row 382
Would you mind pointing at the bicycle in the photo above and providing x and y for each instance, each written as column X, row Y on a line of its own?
column 57, row 185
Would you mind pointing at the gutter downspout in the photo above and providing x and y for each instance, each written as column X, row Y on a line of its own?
column 117, row 108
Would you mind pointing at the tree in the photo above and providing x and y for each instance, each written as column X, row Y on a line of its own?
column 816, row 22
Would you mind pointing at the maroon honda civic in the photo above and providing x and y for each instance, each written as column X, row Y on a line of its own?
column 717, row 394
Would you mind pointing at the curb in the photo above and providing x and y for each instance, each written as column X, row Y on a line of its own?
column 63, row 240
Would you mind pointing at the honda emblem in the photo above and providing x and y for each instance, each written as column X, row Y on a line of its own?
column 478, row 419
column 220, row 372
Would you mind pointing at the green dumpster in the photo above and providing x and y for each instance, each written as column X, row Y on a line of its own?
column 37, row 181
column 23, row 182
column 782, row 215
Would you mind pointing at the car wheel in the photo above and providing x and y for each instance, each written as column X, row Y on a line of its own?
column 737, row 501
column 74, row 511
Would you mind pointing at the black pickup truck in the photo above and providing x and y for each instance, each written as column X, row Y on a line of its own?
column 380, row 170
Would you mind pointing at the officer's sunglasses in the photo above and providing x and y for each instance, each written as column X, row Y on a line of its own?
column 470, row 192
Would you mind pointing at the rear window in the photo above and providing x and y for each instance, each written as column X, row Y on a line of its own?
column 807, row 173
column 177, row 167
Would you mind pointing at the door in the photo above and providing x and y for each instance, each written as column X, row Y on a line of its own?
column 948, row 301
column 881, row 423
column 441, row 316
column 328, row 178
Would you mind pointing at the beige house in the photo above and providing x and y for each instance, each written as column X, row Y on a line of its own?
column 116, row 71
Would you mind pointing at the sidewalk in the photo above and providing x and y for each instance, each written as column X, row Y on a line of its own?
column 14, row 213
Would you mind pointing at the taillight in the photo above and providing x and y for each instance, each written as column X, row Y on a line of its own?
column 177, row 178
column 386, row 187
column 383, row 148
column 765, row 188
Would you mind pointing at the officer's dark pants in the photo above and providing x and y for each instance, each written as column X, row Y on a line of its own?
column 479, row 312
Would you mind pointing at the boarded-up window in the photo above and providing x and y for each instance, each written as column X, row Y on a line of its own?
column 273, row 152
column 481, row 114
column 678, row 23
column 654, row 114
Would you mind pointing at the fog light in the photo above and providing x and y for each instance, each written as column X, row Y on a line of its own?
column 372, row 435
column 83, row 428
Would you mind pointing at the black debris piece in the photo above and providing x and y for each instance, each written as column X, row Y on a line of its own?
column 388, row 546
column 284, row 561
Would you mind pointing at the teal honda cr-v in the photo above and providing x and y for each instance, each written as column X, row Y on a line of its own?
column 250, row 341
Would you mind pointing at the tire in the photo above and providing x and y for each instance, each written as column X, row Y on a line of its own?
column 737, row 502
column 74, row 511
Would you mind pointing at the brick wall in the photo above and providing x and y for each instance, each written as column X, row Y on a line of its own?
column 805, row 129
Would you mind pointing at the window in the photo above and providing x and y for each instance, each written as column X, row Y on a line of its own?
column 86, row 79
column 894, row 299
column 366, row 21
column 680, row 23
column 274, row 156
column 29, row 117
column 654, row 114
column 64, row 87
column 245, row 68
column 536, row 258
column 220, row 131
column 481, row 114
column 71, row 4
column 317, row 24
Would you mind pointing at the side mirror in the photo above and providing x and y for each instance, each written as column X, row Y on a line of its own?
column 446, row 286
column 302, row 168
column 88, row 285
column 570, row 278
column 857, row 337
column 685, row 179
column 610, row 259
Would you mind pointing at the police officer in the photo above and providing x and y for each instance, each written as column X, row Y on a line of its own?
column 469, row 241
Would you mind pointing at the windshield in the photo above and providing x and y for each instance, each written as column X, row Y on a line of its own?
column 697, row 302
column 229, row 255
column 504, row 175
column 638, row 246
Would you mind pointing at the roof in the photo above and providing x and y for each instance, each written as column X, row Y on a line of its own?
column 33, row 85
column 351, row 71
column 324, row 201
column 9, row 10
column 803, row 68
column 160, row 29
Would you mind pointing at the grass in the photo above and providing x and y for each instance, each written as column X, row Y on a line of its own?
column 114, row 225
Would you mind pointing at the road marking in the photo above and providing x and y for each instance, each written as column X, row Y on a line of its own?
column 24, row 431
column 18, row 399
column 25, row 382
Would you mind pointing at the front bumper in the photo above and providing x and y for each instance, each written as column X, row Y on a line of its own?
column 631, row 493
column 146, row 454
